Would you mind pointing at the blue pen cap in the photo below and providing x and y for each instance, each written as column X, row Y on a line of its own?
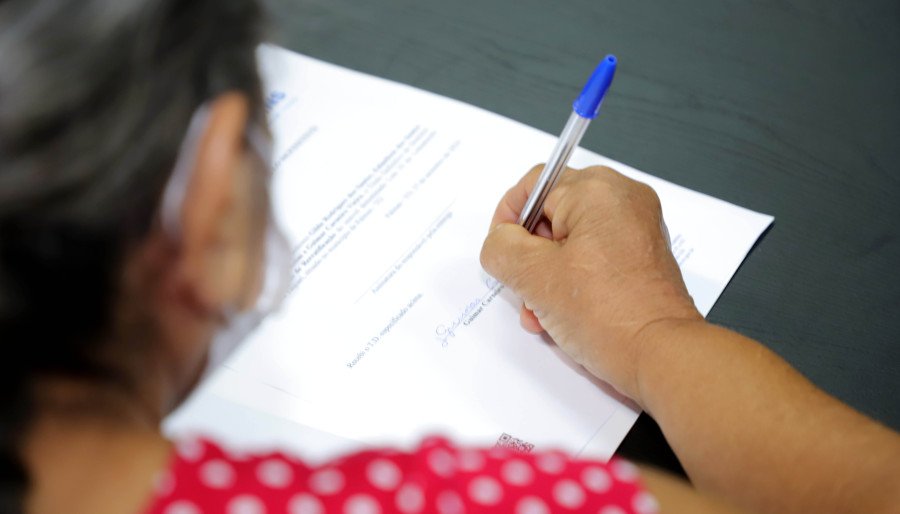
column 587, row 105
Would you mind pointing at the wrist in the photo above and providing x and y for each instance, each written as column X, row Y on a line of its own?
column 658, row 343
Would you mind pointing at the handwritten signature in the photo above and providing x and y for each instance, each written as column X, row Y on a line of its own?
column 446, row 331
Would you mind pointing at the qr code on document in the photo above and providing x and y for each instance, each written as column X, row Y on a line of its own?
column 513, row 443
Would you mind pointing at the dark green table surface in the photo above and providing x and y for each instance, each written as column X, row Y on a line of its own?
column 788, row 107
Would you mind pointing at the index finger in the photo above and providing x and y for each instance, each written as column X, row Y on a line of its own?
column 513, row 201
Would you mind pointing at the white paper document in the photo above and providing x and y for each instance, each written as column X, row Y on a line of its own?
column 392, row 331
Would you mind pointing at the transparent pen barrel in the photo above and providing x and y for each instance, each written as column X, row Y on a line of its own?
column 568, row 142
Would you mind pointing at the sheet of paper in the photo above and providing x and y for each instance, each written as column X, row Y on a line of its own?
column 392, row 331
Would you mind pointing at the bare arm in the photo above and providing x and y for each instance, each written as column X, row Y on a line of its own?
column 747, row 427
column 675, row 496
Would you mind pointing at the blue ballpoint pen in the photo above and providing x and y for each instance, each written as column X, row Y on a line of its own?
column 585, row 108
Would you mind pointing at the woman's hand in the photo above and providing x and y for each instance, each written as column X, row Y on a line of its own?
column 601, row 274
column 746, row 426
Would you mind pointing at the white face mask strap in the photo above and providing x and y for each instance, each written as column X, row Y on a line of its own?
column 260, row 143
column 276, row 274
column 276, row 279
column 176, row 189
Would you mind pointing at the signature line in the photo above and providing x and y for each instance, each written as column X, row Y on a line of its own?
column 405, row 252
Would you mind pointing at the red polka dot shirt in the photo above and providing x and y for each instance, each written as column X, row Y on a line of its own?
column 435, row 478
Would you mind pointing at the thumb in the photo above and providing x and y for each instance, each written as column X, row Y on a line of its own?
column 515, row 257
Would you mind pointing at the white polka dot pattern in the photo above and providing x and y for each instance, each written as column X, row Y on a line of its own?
column 441, row 462
column 568, row 494
column 449, row 502
column 625, row 471
column 485, row 490
column 362, row 504
column 217, row 474
column 410, row 499
column 274, row 473
column 435, row 478
column 326, row 482
column 532, row 505
column 246, row 504
column 305, row 503
column 596, row 479
column 383, row 474
column 517, row 472
column 645, row 503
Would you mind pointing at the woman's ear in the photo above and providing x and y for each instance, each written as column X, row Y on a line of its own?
column 193, row 266
column 212, row 257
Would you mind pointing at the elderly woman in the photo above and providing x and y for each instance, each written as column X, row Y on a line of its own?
column 133, row 220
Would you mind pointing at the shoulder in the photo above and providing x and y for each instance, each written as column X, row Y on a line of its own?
column 435, row 477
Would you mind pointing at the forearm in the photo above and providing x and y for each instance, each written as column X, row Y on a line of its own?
column 676, row 496
column 748, row 427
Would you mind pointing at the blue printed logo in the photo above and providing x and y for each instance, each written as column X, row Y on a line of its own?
column 273, row 99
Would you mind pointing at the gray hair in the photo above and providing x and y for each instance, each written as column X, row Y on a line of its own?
column 95, row 96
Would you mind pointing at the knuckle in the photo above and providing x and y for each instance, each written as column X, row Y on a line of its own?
column 602, row 171
column 598, row 192
column 648, row 195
